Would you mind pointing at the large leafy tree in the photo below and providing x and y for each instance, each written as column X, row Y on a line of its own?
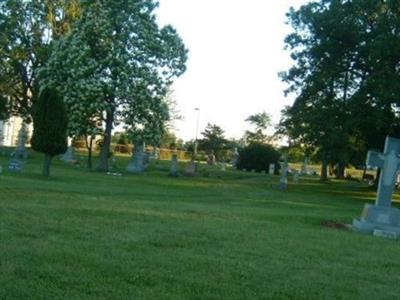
column 338, row 74
column 260, row 122
column 116, row 65
column 27, row 28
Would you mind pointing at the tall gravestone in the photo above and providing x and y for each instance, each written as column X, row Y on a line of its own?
column 271, row 169
column 296, row 176
column 174, row 166
column 20, row 151
column 381, row 218
column 304, row 167
column 20, row 155
column 235, row 158
column 283, row 181
column 138, row 161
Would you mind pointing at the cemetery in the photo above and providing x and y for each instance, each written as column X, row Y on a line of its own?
column 147, row 153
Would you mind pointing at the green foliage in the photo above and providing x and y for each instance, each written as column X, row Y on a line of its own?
column 116, row 65
column 344, row 88
column 4, row 108
column 261, row 122
column 49, row 124
column 120, row 138
column 213, row 141
column 258, row 157
column 171, row 141
column 27, row 28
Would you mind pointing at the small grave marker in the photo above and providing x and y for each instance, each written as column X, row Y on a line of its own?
column 271, row 169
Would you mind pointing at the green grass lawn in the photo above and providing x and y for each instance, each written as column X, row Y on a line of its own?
column 233, row 235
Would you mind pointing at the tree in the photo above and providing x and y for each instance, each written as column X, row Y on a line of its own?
column 258, row 157
column 338, row 73
column 261, row 122
column 116, row 65
column 49, row 126
column 213, row 140
column 27, row 28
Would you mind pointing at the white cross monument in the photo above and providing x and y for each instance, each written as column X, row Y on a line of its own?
column 381, row 218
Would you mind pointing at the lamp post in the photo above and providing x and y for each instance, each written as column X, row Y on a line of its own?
column 197, row 132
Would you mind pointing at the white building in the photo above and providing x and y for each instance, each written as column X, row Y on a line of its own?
column 9, row 131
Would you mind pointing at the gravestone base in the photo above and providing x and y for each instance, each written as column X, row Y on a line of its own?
column 386, row 234
column 136, row 168
column 379, row 221
column 69, row 155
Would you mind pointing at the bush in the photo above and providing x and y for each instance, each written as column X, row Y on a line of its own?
column 258, row 157
column 49, row 126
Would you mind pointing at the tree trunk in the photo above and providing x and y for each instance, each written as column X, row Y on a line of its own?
column 46, row 165
column 105, row 147
column 89, row 146
column 364, row 172
column 341, row 168
column 378, row 175
column 324, row 171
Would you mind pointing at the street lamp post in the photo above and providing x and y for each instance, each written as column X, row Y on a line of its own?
column 197, row 132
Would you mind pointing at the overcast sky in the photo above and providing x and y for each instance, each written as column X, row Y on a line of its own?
column 236, row 52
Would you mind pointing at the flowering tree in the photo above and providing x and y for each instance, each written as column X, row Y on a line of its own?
column 115, row 66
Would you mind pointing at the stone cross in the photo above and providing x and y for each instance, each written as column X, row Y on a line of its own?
column 381, row 219
column 389, row 162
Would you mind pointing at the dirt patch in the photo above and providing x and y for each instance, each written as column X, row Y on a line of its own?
column 334, row 225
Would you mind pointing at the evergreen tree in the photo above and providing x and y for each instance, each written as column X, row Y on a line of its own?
column 49, row 126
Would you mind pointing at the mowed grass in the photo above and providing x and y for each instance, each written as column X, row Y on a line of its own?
column 232, row 235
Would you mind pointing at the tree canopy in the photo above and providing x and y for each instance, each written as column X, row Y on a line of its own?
column 346, row 60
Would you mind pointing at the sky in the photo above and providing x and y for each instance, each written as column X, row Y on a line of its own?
column 236, row 49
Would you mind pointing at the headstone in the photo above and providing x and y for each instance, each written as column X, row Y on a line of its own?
column 223, row 167
column 235, row 158
column 296, row 177
column 190, row 169
column 283, row 181
column 271, row 169
column 113, row 164
column 304, row 167
column 138, row 161
column 69, row 155
column 381, row 219
column 20, row 151
column 174, row 166
column 15, row 165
